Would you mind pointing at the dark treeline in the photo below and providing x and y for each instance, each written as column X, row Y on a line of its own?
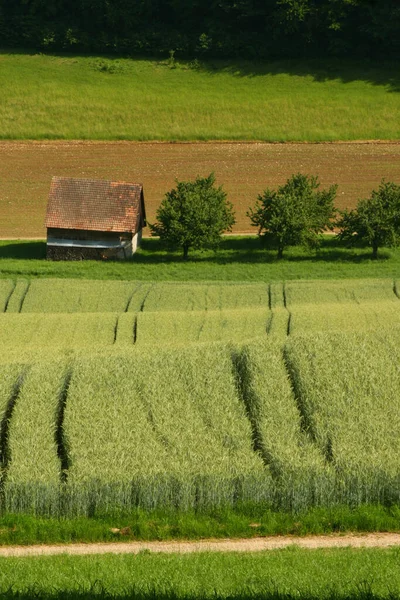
column 205, row 28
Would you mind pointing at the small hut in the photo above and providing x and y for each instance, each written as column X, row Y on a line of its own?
column 93, row 219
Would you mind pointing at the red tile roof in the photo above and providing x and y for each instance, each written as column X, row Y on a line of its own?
column 95, row 204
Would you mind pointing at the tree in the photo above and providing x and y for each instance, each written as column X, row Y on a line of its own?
column 376, row 220
column 194, row 215
column 294, row 214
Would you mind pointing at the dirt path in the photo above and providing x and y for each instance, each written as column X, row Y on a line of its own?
column 372, row 540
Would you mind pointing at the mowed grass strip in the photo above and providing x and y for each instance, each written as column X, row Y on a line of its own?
column 347, row 388
column 33, row 475
column 73, row 98
column 170, row 430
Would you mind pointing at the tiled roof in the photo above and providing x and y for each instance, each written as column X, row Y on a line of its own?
column 95, row 204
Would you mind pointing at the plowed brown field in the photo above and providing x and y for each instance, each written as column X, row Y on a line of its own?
column 244, row 169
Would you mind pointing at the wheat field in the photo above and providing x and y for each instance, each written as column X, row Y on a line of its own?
column 116, row 395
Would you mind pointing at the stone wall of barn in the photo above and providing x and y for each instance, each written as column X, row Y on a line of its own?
column 57, row 252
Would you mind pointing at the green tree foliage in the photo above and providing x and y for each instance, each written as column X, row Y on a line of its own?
column 375, row 221
column 194, row 215
column 232, row 28
column 296, row 213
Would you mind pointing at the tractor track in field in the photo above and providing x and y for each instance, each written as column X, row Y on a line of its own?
column 371, row 540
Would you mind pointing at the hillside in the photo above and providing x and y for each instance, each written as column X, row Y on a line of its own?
column 97, row 98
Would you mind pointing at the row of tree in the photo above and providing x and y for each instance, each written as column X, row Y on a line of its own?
column 195, row 214
column 230, row 28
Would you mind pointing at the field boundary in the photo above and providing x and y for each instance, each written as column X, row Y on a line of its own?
column 373, row 540
column 88, row 142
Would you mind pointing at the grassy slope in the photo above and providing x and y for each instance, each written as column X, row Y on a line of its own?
column 58, row 97
column 239, row 259
column 288, row 574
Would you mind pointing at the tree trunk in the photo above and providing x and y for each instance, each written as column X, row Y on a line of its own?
column 374, row 250
column 185, row 251
column 280, row 252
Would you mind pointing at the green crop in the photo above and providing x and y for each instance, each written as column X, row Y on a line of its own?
column 340, row 291
column 6, row 289
column 57, row 330
column 17, row 296
column 33, row 473
column 347, row 388
column 279, row 323
column 125, row 329
column 346, row 317
column 10, row 380
column 302, row 475
column 169, row 429
column 197, row 296
column 170, row 328
column 125, row 394
column 69, row 296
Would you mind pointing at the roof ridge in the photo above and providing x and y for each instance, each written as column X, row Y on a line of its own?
column 113, row 181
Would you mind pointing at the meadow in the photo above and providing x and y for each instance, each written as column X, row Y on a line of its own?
column 238, row 259
column 336, row 574
column 92, row 98
column 118, row 396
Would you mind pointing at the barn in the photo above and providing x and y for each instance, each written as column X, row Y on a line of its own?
column 93, row 219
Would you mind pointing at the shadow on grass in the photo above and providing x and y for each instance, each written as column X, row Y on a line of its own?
column 244, row 250
column 23, row 250
column 250, row 250
column 380, row 73
column 321, row 71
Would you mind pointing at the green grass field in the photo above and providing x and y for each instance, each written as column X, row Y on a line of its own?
column 239, row 259
column 285, row 574
column 247, row 521
column 91, row 98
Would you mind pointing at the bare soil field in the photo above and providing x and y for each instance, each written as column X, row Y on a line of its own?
column 372, row 540
column 244, row 169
